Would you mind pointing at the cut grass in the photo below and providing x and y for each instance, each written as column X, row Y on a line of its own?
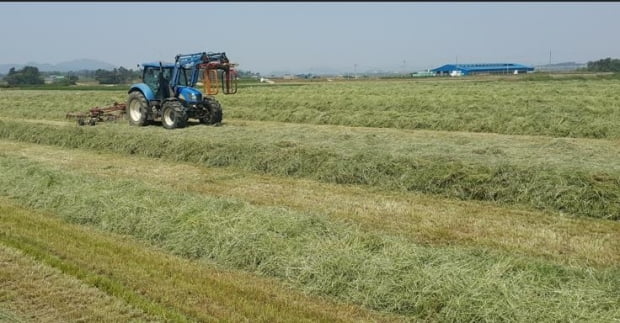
column 578, row 177
column 320, row 255
column 167, row 287
column 38, row 292
column 558, row 108
column 9, row 316
column 417, row 217
column 54, row 104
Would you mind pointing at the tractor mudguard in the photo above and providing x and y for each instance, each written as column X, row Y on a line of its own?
column 145, row 89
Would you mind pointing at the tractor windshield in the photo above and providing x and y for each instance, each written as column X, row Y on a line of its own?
column 185, row 77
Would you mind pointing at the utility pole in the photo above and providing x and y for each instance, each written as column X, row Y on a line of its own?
column 355, row 70
column 549, row 57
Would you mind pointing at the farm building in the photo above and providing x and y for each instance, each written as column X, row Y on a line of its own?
column 485, row 68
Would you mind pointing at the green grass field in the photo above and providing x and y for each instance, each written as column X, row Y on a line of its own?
column 388, row 200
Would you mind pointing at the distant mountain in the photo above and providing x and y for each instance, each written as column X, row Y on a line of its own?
column 74, row 65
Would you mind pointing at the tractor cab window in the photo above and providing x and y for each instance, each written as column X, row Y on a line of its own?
column 151, row 77
column 185, row 76
column 167, row 74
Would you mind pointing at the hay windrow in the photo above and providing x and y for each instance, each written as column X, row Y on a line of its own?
column 568, row 189
column 320, row 256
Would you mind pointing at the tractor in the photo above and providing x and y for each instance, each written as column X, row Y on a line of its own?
column 168, row 94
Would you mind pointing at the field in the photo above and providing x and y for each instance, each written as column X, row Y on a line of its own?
column 473, row 199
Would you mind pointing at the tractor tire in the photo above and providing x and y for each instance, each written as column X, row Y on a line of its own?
column 173, row 115
column 215, row 112
column 137, row 108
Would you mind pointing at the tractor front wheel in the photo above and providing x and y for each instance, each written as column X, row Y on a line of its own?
column 215, row 112
column 173, row 115
column 137, row 109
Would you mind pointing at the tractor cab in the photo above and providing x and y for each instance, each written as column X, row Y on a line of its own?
column 158, row 78
column 167, row 82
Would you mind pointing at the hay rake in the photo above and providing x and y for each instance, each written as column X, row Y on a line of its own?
column 97, row 114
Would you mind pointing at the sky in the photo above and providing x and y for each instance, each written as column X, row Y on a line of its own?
column 306, row 37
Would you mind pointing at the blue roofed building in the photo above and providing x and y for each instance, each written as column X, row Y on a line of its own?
column 483, row 68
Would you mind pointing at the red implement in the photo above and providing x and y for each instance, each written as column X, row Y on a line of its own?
column 97, row 114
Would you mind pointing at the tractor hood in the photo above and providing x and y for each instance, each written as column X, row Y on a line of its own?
column 189, row 94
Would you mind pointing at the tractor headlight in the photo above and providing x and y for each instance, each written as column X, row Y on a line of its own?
column 193, row 97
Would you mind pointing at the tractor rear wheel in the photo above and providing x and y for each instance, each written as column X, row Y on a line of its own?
column 215, row 112
column 137, row 109
column 173, row 115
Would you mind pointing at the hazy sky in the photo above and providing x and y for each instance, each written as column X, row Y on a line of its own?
column 303, row 36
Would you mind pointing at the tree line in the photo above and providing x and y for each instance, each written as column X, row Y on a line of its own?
column 30, row 75
column 604, row 65
column 119, row 75
column 27, row 75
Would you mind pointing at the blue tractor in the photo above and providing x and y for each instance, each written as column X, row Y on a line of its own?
column 168, row 94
